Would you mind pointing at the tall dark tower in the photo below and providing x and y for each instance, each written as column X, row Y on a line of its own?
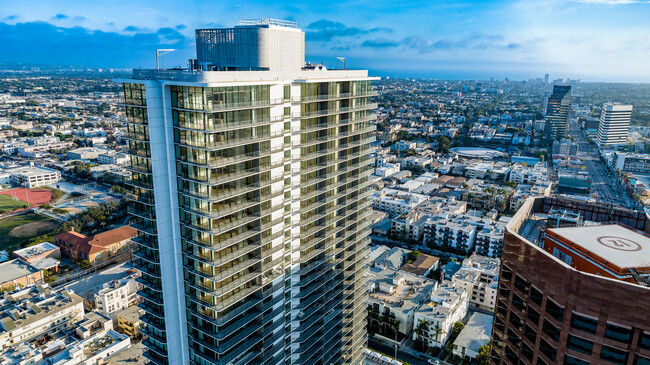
column 558, row 110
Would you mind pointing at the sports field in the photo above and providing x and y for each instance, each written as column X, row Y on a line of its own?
column 19, row 228
column 9, row 203
column 35, row 196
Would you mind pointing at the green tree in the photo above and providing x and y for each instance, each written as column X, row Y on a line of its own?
column 439, row 331
column 483, row 357
column 83, row 263
column 443, row 144
column 403, row 136
column 48, row 277
column 413, row 255
column 455, row 331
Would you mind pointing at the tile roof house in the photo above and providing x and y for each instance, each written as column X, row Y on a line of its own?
column 422, row 266
column 97, row 248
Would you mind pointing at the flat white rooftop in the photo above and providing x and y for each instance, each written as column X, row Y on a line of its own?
column 620, row 246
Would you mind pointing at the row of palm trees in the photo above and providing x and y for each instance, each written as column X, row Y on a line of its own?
column 422, row 332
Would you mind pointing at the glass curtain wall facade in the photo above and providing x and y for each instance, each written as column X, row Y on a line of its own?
column 334, row 165
column 272, row 215
column 146, row 254
column 558, row 111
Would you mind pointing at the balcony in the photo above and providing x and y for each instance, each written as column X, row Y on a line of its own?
column 223, row 107
column 141, row 198
column 220, row 335
column 332, row 124
column 224, row 161
column 149, row 215
column 323, row 139
column 145, row 228
column 215, row 146
column 210, row 275
column 219, row 127
column 135, row 137
column 143, row 169
column 332, row 111
column 217, row 227
column 228, row 287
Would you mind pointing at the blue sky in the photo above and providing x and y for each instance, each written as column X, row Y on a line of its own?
column 606, row 40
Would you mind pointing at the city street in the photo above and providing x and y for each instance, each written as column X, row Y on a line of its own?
column 604, row 183
column 390, row 350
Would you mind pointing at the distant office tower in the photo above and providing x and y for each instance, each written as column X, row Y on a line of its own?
column 573, row 290
column 614, row 124
column 558, row 110
column 546, row 78
column 250, row 190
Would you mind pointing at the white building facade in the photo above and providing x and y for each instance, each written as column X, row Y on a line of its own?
column 614, row 124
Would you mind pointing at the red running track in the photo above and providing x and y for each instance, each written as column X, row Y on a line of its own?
column 36, row 196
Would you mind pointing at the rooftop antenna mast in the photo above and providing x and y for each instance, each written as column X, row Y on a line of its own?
column 160, row 53
column 342, row 59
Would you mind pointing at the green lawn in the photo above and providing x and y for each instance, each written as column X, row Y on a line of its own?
column 8, row 203
column 20, row 228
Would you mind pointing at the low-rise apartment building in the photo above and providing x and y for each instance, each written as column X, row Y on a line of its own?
column 115, row 296
column 396, row 202
column 479, row 276
column 434, row 320
column 394, row 296
column 32, row 313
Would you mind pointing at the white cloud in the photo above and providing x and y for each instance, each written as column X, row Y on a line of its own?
column 613, row 2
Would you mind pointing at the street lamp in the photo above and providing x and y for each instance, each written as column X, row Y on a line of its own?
column 160, row 53
column 343, row 60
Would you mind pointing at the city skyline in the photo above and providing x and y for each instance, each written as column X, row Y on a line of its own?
column 595, row 40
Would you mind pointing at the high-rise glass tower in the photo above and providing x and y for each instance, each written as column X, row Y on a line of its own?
column 614, row 124
column 250, row 186
column 558, row 111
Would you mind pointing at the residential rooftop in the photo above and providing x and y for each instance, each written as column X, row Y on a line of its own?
column 14, row 269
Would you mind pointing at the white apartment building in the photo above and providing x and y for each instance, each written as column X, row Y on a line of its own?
column 402, row 146
column 29, row 314
column 488, row 170
column 409, row 226
column 396, row 202
column 416, row 162
column 41, row 150
column 32, row 176
column 448, row 305
column 397, row 295
column 457, row 232
column 387, row 169
column 86, row 153
column 11, row 148
column 529, row 174
column 489, row 238
column 113, row 158
column 93, row 341
column 464, row 232
column 479, row 276
column 614, row 124
column 115, row 296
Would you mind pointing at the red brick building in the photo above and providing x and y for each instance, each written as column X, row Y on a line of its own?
column 575, row 295
column 98, row 248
